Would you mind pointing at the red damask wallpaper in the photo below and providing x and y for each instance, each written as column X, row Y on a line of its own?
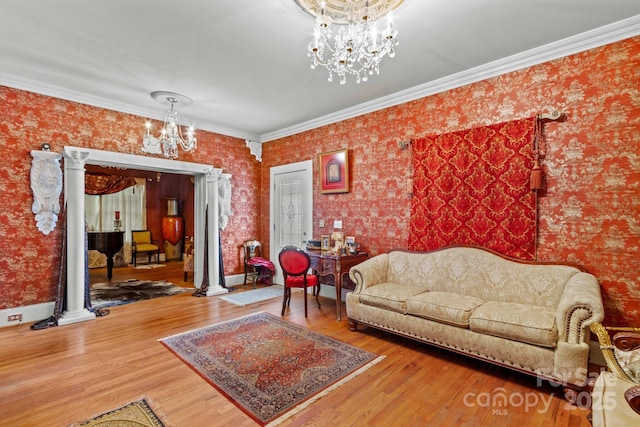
column 589, row 210
column 30, row 260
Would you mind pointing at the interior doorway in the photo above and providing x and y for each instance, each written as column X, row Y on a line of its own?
column 206, row 181
column 291, row 208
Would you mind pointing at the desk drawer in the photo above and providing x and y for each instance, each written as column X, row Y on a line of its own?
column 327, row 266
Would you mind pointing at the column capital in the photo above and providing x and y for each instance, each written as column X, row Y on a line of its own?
column 75, row 159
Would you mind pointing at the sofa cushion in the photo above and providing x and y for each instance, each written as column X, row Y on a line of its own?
column 446, row 307
column 527, row 323
column 389, row 296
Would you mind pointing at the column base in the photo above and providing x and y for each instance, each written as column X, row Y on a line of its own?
column 69, row 317
column 216, row 290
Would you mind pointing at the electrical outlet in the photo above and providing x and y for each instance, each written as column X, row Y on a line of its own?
column 14, row 317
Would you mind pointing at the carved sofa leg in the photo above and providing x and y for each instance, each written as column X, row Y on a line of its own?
column 353, row 325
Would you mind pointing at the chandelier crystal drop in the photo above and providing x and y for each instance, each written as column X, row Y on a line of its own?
column 358, row 45
column 171, row 136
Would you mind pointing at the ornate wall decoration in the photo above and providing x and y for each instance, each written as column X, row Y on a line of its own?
column 46, row 185
column 472, row 187
column 224, row 200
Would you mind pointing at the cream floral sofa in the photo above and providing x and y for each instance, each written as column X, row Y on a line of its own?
column 531, row 317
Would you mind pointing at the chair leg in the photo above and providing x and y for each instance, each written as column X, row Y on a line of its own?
column 135, row 261
column 285, row 301
column 305, row 301
column 158, row 257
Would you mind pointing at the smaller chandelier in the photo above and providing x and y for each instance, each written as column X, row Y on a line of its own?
column 357, row 47
column 171, row 133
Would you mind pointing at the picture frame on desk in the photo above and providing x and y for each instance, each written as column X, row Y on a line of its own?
column 325, row 242
column 334, row 171
column 350, row 240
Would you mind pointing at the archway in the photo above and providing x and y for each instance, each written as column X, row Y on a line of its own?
column 206, row 179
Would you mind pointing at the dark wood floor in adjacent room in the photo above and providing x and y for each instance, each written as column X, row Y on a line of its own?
column 62, row 375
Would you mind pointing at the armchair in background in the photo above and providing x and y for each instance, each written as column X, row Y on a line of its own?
column 616, row 393
column 256, row 267
column 141, row 242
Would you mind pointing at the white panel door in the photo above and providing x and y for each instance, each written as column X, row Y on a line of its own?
column 291, row 202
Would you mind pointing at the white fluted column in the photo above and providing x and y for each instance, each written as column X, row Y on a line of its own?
column 74, row 199
column 213, row 256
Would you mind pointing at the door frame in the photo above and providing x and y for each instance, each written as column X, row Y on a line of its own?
column 303, row 166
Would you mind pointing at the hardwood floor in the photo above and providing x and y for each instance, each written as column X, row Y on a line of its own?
column 67, row 374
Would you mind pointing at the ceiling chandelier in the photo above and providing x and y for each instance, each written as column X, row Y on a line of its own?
column 357, row 46
column 171, row 133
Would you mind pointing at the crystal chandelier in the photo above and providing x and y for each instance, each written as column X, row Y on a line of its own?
column 358, row 45
column 171, row 133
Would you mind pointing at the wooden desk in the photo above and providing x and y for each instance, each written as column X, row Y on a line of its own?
column 324, row 263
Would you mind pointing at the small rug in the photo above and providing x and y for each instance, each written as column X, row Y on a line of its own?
column 149, row 266
column 105, row 295
column 134, row 414
column 255, row 295
column 267, row 366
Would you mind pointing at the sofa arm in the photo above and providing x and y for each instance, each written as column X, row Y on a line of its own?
column 580, row 306
column 369, row 272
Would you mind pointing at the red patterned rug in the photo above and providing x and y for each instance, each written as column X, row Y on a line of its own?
column 269, row 367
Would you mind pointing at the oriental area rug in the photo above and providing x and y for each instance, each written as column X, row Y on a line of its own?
column 105, row 295
column 267, row 366
column 134, row 414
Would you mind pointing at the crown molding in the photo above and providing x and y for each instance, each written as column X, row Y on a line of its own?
column 601, row 36
column 109, row 104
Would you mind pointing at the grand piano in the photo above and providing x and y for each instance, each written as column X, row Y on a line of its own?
column 107, row 242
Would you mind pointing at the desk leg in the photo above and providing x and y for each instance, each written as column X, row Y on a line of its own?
column 338, row 283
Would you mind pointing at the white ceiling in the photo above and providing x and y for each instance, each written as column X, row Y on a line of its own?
column 244, row 63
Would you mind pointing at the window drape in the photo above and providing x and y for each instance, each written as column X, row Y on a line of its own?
column 472, row 187
column 132, row 205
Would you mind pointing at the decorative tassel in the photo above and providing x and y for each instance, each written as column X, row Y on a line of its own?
column 536, row 176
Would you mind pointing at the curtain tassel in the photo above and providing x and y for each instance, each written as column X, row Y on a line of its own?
column 536, row 176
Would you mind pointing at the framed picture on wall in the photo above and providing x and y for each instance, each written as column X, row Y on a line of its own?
column 334, row 171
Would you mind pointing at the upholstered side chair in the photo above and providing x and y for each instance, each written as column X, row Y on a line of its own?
column 295, row 264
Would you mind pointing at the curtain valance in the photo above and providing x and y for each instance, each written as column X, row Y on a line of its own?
column 97, row 184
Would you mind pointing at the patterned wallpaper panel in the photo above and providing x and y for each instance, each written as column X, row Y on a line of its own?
column 589, row 210
column 30, row 260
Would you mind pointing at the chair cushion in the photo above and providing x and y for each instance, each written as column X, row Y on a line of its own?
column 146, row 247
column 446, row 307
column 609, row 406
column 298, row 281
column 521, row 322
column 390, row 296
column 629, row 361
